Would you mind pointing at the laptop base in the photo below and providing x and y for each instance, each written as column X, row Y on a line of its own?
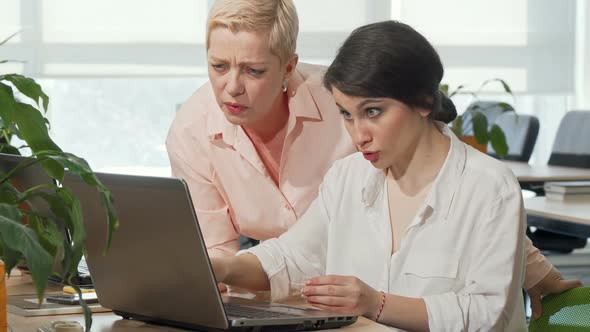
column 307, row 325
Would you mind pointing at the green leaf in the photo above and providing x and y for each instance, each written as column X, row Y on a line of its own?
column 112, row 219
column 75, row 218
column 10, row 257
column 73, row 163
column 480, row 127
column 9, row 149
column 505, row 106
column 32, row 127
column 498, row 140
column 46, row 229
column 87, row 311
column 29, row 88
column 457, row 126
column 80, row 167
column 457, row 90
column 7, row 105
column 505, row 85
column 18, row 237
column 8, row 194
column 61, row 205
column 444, row 88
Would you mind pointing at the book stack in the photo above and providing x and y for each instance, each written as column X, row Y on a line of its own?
column 567, row 190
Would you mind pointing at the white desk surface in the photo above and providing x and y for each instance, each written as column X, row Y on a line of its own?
column 576, row 210
column 541, row 173
column 103, row 322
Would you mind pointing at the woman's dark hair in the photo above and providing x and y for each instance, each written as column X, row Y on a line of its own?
column 391, row 60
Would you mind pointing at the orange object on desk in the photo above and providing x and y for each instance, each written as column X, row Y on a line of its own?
column 3, row 323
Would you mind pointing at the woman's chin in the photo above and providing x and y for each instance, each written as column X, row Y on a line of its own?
column 378, row 164
column 236, row 119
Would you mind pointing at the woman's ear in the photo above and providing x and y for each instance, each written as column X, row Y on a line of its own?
column 423, row 112
column 290, row 66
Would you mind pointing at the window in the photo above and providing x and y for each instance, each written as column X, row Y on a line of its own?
column 117, row 70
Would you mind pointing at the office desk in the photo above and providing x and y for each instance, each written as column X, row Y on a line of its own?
column 573, row 215
column 526, row 173
column 104, row 322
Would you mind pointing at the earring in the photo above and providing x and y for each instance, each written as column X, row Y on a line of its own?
column 285, row 86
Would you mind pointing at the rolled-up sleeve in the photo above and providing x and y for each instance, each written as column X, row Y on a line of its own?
column 537, row 266
column 487, row 302
column 189, row 161
column 298, row 254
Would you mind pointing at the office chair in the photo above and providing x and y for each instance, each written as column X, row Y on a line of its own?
column 521, row 134
column 491, row 109
column 571, row 148
column 565, row 312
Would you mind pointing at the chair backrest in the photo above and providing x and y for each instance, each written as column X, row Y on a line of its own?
column 491, row 109
column 571, row 147
column 565, row 312
column 521, row 134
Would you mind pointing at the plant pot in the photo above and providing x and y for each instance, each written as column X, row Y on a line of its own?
column 473, row 142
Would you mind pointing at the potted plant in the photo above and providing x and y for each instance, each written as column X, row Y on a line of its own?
column 483, row 133
column 25, row 234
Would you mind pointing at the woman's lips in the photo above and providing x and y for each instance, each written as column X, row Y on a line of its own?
column 371, row 156
column 235, row 108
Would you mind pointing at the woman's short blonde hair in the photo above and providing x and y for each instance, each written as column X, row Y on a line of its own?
column 278, row 17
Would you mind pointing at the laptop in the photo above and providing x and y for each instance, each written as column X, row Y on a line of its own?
column 30, row 177
column 157, row 269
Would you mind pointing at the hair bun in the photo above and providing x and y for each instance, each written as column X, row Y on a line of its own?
column 447, row 111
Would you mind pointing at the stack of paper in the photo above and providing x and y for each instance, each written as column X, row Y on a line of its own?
column 567, row 190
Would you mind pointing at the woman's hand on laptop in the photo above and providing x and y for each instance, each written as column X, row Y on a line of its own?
column 217, row 263
column 222, row 287
column 343, row 295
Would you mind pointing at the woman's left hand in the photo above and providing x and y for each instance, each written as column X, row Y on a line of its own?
column 342, row 295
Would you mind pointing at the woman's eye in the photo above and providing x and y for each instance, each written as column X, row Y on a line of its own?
column 218, row 67
column 255, row 72
column 373, row 112
column 346, row 115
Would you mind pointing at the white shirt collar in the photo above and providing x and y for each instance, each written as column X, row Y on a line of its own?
column 444, row 187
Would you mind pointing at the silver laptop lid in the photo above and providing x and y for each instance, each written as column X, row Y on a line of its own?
column 157, row 266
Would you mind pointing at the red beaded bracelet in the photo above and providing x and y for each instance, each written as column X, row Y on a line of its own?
column 381, row 308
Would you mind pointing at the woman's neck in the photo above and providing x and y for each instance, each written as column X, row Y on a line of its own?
column 273, row 124
column 424, row 162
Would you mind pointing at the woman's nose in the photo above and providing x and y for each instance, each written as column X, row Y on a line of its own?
column 361, row 134
column 234, row 86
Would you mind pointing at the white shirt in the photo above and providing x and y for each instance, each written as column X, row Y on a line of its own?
column 463, row 253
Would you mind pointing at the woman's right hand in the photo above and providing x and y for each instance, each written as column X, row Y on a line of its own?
column 222, row 287
column 218, row 265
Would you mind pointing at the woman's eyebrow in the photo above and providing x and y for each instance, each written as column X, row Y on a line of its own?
column 244, row 63
column 368, row 101
column 340, row 107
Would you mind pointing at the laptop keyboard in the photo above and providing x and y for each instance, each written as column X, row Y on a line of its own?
column 237, row 310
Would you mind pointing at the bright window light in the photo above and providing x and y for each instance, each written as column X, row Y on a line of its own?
column 10, row 19
column 129, row 21
column 68, row 69
column 465, row 22
column 348, row 16
column 473, row 77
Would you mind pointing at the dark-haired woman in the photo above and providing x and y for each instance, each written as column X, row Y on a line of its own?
column 417, row 230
